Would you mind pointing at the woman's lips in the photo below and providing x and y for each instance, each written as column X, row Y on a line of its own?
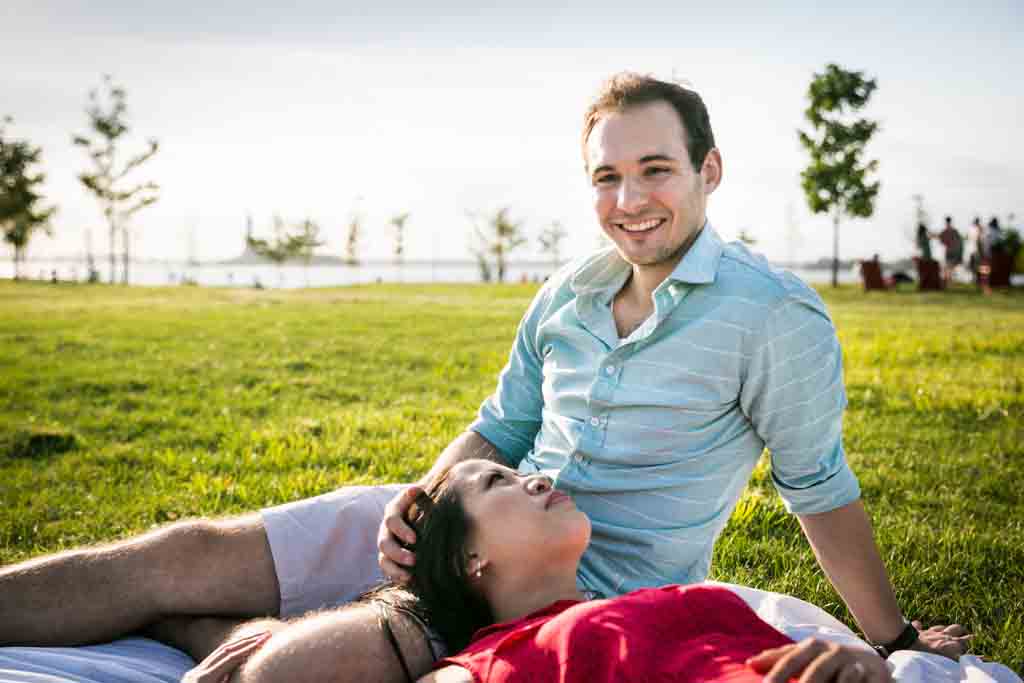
column 556, row 497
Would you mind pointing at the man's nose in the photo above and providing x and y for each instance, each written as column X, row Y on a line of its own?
column 631, row 197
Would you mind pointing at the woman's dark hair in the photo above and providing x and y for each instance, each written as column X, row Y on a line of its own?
column 440, row 577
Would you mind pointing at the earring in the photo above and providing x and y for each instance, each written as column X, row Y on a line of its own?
column 479, row 573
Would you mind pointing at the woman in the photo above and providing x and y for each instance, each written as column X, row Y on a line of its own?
column 496, row 573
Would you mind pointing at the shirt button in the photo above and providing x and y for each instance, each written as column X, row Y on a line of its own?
column 594, row 421
column 610, row 370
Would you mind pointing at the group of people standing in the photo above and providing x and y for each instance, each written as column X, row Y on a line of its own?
column 985, row 239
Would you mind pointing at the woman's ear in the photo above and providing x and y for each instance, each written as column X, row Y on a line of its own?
column 476, row 565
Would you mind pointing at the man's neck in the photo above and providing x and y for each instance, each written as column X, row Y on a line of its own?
column 640, row 287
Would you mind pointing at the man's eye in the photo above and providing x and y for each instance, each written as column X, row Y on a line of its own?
column 656, row 170
column 605, row 179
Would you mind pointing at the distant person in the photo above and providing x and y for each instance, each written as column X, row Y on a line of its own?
column 993, row 238
column 954, row 245
column 924, row 242
column 977, row 237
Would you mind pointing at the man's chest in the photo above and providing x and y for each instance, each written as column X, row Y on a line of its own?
column 686, row 363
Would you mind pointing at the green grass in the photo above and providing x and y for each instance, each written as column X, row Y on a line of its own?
column 123, row 408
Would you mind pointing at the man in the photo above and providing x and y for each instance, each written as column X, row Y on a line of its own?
column 645, row 381
column 954, row 246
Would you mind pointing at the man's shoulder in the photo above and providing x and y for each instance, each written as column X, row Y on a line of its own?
column 748, row 275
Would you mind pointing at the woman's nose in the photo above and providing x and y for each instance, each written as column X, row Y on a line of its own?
column 538, row 483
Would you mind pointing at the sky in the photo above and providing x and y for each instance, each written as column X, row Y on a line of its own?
column 454, row 109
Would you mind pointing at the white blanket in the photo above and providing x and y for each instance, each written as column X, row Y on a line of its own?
column 139, row 660
column 799, row 620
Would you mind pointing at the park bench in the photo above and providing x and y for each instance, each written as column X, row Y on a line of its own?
column 929, row 276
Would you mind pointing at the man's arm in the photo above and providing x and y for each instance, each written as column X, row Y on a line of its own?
column 340, row 645
column 392, row 555
column 196, row 567
column 844, row 545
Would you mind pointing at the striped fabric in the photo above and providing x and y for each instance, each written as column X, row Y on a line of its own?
column 655, row 436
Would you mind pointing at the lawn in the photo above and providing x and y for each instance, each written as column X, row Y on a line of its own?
column 125, row 408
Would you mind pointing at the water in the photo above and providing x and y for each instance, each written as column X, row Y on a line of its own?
column 294, row 276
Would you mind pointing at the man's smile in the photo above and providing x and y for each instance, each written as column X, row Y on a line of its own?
column 639, row 226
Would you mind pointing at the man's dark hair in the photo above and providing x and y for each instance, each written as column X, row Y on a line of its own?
column 626, row 90
column 440, row 577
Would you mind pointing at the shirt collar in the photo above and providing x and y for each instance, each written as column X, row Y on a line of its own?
column 608, row 269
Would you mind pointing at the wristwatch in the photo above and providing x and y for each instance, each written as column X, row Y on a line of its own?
column 906, row 638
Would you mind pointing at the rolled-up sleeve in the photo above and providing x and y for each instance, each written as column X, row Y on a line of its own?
column 510, row 418
column 794, row 396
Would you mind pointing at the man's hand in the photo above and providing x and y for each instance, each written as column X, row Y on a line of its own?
column 394, row 559
column 820, row 661
column 222, row 662
column 949, row 641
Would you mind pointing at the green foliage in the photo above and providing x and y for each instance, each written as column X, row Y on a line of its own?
column 299, row 242
column 107, row 180
column 21, row 215
column 836, row 179
column 498, row 238
column 146, row 405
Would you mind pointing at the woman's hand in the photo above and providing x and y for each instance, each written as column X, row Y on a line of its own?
column 222, row 662
column 819, row 661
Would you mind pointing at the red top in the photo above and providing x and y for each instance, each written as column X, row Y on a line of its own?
column 678, row 634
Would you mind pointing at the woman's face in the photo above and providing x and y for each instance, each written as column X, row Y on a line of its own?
column 519, row 522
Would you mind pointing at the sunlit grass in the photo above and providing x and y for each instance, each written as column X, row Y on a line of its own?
column 124, row 408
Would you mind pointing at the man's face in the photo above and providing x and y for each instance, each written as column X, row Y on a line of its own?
column 648, row 198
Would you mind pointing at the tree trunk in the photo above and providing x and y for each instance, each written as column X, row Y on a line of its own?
column 835, row 249
column 17, row 263
column 126, row 255
column 113, row 256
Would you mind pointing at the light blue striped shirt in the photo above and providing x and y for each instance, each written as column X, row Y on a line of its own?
column 656, row 435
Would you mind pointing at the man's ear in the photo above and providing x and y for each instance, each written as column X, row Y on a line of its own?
column 711, row 170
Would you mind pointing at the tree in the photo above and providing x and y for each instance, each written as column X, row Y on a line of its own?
column 550, row 240
column 108, row 179
column 398, row 223
column 835, row 180
column 277, row 250
column 304, row 241
column 499, row 237
column 355, row 227
column 21, row 215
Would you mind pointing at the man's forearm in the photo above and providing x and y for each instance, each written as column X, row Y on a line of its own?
column 199, row 636
column 843, row 542
column 467, row 445
column 339, row 645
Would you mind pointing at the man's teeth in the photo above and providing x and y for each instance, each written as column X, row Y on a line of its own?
column 640, row 227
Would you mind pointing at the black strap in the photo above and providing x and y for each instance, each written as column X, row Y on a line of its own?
column 385, row 625
column 904, row 641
